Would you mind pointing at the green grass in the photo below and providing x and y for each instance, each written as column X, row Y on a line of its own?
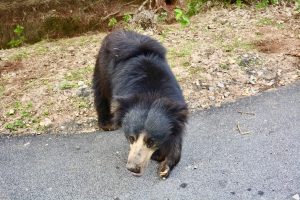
column 65, row 85
column 2, row 90
column 180, row 52
column 81, row 103
column 224, row 66
column 236, row 44
column 46, row 112
column 22, row 115
column 14, row 126
column 195, row 70
column 79, row 74
column 20, row 55
column 265, row 21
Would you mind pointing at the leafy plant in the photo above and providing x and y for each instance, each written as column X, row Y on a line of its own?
column 65, row 85
column 239, row 3
column 15, row 125
column 264, row 3
column 162, row 16
column 20, row 38
column 194, row 7
column 127, row 18
column 112, row 22
column 181, row 17
column 297, row 3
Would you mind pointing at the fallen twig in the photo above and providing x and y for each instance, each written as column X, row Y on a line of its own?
column 141, row 7
column 293, row 54
column 109, row 15
column 240, row 131
column 114, row 13
column 246, row 113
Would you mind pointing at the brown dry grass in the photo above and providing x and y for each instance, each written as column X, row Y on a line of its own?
column 221, row 57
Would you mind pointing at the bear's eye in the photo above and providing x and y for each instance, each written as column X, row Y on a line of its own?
column 150, row 143
column 131, row 139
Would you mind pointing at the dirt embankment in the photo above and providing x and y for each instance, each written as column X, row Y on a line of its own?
column 45, row 19
column 225, row 54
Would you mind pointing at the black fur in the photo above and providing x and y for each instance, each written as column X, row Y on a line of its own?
column 132, row 69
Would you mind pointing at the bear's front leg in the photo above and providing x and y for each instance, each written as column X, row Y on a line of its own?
column 171, row 159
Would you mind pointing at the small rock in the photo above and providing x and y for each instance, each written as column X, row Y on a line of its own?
column 26, row 144
column 224, row 21
column 212, row 98
column 296, row 197
column 83, row 91
column 46, row 122
column 210, row 27
column 279, row 72
column 261, row 193
column 260, row 73
column 270, row 83
column 211, row 88
column 80, row 83
column 183, row 185
column 11, row 112
column 252, row 80
column 226, row 94
column 220, row 85
column 231, row 61
column 269, row 75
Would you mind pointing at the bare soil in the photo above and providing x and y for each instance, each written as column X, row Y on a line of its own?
column 51, row 19
column 224, row 55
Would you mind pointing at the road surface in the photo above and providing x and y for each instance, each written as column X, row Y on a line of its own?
column 218, row 162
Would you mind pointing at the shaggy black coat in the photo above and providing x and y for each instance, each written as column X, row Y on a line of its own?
column 132, row 69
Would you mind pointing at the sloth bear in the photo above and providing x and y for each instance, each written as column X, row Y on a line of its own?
column 131, row 69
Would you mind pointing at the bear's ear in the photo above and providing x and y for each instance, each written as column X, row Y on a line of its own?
column 181, row 112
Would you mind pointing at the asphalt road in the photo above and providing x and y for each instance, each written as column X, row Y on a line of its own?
column 218, row 162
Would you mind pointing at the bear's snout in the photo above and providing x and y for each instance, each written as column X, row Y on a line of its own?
column 134, row 168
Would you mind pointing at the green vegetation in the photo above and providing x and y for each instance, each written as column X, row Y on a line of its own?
column 24, row 115
column 81, row 103
column 46, row 113
column 22, row 54
column 65, row 85
column 79, row 74
column 181, row 17
column 265, row 21
column 14, row 126
column 297, row 2
column 127, row 18
column 19, row 39
column 264, row 3
column 112, row 22
column 194, row 7
column 2, row 89
column 162, row 17
column 182, row 53
column 237, row 44
column 224, row 66
column 239, row 3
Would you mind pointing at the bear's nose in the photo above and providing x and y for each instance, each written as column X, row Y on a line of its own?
column 133, row 168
